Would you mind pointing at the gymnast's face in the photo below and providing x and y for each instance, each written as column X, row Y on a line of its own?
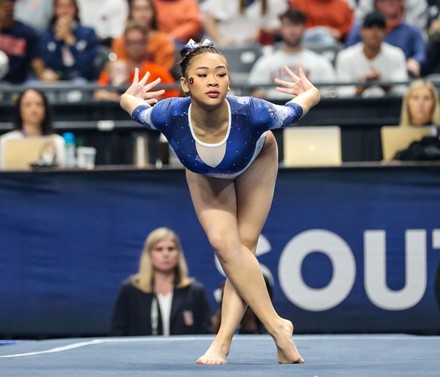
column 207, row 80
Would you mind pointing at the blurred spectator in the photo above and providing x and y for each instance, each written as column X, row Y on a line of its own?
column 160, row 299
column 4, row 64
column 291, row 52
column 433, row 9
column 20, row 43
column 416, row 11
column 35, row 13
column 106, row 17
column 250, row 324
column 33, row 118
column 408, row 37
column 420, row 105
column 120, row 72
column 68, row 48
column 421, row 108
column 432, row 64
column 327, row 20
column 179, row 18
column 243, row 22
column 160, row 47
column 371, row 61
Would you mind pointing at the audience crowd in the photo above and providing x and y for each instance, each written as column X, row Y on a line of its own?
column 61, row 40
column 366, row 45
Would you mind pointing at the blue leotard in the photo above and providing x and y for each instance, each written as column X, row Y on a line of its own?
column 250, row 118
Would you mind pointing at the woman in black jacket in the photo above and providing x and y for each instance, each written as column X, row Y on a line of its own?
column 160, row 299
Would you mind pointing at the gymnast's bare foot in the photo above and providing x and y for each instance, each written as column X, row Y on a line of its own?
column 286, row 349
column 216, row 354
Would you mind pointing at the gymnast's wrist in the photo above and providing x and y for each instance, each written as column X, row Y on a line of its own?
column 136, row 113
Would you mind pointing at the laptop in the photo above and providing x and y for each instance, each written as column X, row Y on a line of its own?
column 312, row 146
column 396, row 138
column 20, row 154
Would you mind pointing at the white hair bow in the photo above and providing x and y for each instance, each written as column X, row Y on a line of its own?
column 191, row 45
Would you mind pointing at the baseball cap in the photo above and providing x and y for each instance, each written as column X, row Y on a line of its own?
column 374, row 19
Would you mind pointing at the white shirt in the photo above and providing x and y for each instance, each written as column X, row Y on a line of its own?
column 165, row 303
column 35, row 13
column 4, row 64
column 107, row 17
column 240, row 28
column 317, row 68
column 352, row 66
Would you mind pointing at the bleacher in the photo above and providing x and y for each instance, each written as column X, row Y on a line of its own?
column 107, row 127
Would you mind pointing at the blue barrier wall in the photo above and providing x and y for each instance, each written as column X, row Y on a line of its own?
column 349, row 249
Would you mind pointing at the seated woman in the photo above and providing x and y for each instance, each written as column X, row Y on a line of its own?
column 420, row 112
column 120, row 72
column 416, row 137
column 160, row 299
column 159, row 45
column 421, row 105
column 68, row 48
column 33, row 118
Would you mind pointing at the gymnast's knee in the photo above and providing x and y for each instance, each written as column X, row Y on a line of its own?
column 224, row 247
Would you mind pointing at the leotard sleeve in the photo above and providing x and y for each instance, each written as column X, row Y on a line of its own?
column 287, row 115
column 275, row 116
column 142, row 115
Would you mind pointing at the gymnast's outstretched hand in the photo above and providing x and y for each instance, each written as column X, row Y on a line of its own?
column 306, row 94
column 139, row 93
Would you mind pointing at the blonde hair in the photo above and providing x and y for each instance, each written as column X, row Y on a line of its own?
column 405, row 116
column 144, row 278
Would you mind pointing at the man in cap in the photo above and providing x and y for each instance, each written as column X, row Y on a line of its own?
column 371, row 61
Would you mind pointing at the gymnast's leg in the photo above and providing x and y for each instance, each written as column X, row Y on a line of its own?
column 232, row 223
column 250, row 219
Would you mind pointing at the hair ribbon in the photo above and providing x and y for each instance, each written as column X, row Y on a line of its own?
column 191, row 45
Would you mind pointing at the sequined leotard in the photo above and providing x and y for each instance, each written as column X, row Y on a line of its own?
column 249, row 120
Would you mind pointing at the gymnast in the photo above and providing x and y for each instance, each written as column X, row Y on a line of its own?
column 231, row 163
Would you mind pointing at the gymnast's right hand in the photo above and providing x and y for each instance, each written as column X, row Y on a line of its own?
column 139, row 93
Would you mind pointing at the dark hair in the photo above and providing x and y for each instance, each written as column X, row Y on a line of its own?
column 243, row 6
column 187, row 53
column 154, row 24
column 134, row 25
column 46, row 124
column 295, row 16
column 54, row 17
column 374, row 18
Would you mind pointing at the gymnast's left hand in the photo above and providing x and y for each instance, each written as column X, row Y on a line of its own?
column 299, row 84
column 304, row 92
column 139, row 93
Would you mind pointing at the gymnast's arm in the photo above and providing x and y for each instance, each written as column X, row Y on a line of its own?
column 306, row 94
column 139, row 93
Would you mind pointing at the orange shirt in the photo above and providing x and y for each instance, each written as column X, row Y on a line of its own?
column 337, row 14
column 160, row 49
column 156, row 71
column 179, row 18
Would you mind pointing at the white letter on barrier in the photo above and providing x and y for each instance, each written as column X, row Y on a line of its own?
column 289, row 270
column 375, row 270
